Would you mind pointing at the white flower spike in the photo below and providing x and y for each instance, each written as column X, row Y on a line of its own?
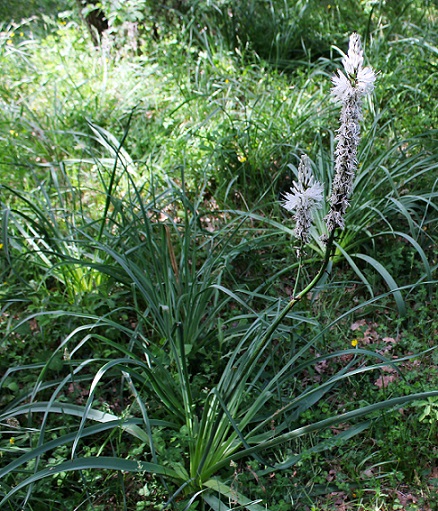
column 349, row 88
column 306, row 195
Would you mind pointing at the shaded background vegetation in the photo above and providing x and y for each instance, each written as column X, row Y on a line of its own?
column 193, row 114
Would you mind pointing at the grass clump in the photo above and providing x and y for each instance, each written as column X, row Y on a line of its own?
column 161, row 322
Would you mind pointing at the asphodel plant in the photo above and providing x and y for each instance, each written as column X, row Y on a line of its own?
column 238, row 415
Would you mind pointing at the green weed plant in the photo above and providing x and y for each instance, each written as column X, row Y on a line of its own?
column 211, row 369
column 193, row 420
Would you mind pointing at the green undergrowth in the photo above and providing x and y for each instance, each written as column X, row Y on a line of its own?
column 144, row 255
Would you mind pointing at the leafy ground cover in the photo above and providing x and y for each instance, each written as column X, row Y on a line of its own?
column 145, row 260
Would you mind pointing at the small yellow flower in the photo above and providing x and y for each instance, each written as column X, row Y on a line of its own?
column 354, row 343
column 227, row 81
column 9, row 42
column 1, row 246
column 241, row 158
column 12, row 440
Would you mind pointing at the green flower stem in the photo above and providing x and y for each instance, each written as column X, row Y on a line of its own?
column 296, row 298
column 300, row 267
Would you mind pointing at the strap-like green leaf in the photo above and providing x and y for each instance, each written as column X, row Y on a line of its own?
column 233, row 495
column 100, row 463
column 388, row 279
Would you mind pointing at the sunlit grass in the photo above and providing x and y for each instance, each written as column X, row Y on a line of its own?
column 141, row 231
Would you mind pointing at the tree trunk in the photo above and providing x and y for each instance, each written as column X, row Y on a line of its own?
column 95, row 19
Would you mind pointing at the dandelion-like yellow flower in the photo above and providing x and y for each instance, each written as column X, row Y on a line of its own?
column 12, row 440
column 354, row 343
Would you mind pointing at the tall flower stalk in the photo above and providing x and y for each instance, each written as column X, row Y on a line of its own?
column 349, row 89
column 306, row 195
